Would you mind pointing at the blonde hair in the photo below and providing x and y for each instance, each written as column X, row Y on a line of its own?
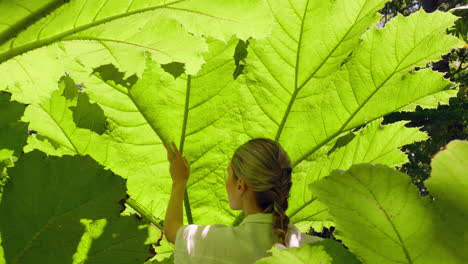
column 266, row 168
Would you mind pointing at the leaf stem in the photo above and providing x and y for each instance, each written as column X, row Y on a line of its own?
column 143, row 212
column 188, row 211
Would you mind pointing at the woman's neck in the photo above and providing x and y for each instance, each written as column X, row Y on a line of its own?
column 249, row 204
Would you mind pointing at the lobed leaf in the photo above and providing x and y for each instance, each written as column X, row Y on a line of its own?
column 58, row 122
column 324, row 97
column 142, row 112
column 381, row 218
column 67, row 210
column 118, row 32
column 349, row 80
column 374, row 143
column 353, row 95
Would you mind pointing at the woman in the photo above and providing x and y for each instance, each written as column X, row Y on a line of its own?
column 259, row 180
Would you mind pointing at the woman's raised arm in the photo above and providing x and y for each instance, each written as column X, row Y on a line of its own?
column 180, row 172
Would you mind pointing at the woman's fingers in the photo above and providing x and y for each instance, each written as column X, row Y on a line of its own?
column 167, row 147
column 174, row 151
column 170, row 153
column 175, row 148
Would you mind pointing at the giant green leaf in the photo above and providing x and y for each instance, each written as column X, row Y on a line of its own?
column 380, row 216
column 140, row 114
column 144, row 110
column 66, row 210
column 320, row 74
column 116, row 31
column 378, row 70
column 92, row 16
column 309, row 90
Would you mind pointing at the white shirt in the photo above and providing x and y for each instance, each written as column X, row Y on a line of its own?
column 245, row 243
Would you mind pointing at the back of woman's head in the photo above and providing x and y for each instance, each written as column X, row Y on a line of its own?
column 266, row 168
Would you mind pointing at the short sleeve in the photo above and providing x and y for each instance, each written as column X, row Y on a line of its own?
column 193, row 241
column 179, row 233
column 180, row 245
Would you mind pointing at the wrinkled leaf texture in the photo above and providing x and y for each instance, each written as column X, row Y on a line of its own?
column 91, row 32
column 303, row 97
column 321, row 71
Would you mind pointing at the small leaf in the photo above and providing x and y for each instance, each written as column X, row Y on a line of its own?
column 322, row 252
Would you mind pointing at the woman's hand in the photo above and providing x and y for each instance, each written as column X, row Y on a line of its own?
column 180, row 167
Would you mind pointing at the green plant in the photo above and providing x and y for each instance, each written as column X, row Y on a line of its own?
column 322, row 252
column 317, row 76
column 381, row 217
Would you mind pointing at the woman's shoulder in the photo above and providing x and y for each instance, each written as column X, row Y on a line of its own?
column 206, row 232
column 193, row 227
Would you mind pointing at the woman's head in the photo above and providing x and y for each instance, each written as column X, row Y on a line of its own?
column 265, row 168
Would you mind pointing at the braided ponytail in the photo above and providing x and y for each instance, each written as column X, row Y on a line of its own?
column 280, row 219
column 278, row 203
column 266, row 168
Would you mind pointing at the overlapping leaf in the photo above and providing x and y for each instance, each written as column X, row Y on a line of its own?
column 71, row 124
column 118, row 32
column 449, row 180
column 309, row 42
column 143, row 112
column 374, row 144
column 319, row 75
column 308, row 87
column 322, row 252
column 378, row 71
column 380, row 216
column 324, row 100
column 66, row 210
column 165, row 254
column 448, row 184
